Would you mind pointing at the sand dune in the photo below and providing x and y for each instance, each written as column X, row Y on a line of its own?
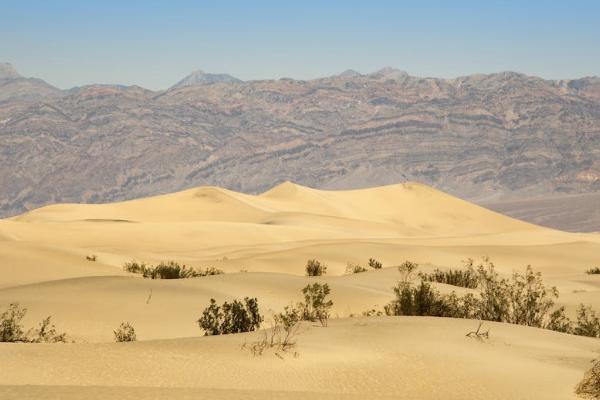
column 43, row 265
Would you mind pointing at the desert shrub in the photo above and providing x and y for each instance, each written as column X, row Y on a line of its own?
column 234, row 317
column 282, row 334
column 46, row 333
column 421, row 300
column 134, row 267
column 466, row 278
column 315, row 268
column 494, row 304
column 530, row 300
column 407, row 269
column 372, row 313
column 587, row 323
column 125, row 333
column 559, row 322
column 91, row 257
column 316, row 307
column 593, row 271
column 373, row 263
column 354, row 268
column 589, row 387
column 168, row 270
column 11, row 329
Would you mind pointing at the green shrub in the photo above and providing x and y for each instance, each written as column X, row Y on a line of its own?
column 168, row 270
column 316, row 307
column 354, row 268
column 373, row 263
column 559, row 322
column 588, row 323
column 466, row 278
column 593, row 271
column 315, row 268
column 234, row 317
column 589, row 387
column 125, row 333
column 11, row 328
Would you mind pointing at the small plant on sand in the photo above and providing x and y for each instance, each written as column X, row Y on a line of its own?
column 125, row 333
column 315, row 268
column 316, row 306
column 354, row 268
column 373, row 263
column 282, row 334
column 407, row 270
column 234, row 317
column 593, row 271
column 91, row 257
column 168, row 270
column 589, row 387
column 12, row 330
column 466, row 277
column 588, row 324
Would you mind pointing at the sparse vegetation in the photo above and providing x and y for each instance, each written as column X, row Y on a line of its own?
column 91, row 257
column 466, row 278
column 234, row 317
column 373, row 263
column 589, row 387
column 523, row 299
column 125, row 333
column 316, row 307
column 593, row 271
column 282, row 334
column 315, row 268
column 168, row 270
column 12, row 330
column 354, row 268
column 407, row 269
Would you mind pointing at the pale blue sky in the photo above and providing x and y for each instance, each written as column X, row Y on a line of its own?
column 154, row 44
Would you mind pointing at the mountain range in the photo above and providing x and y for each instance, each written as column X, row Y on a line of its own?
column 500, row 138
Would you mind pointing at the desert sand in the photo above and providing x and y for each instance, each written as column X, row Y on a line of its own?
column 262, row 242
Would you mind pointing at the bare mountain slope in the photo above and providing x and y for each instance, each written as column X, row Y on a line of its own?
column 503, row 135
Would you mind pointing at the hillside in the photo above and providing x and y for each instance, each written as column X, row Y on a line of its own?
column 483, row 137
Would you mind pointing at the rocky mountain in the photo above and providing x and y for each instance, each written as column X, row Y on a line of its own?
column 14, row 87
column 198, row 78
column 480, row 137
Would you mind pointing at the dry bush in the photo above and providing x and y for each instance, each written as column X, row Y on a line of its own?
column 125, row 333
column 588, row 323
column 354, row 268
column 593, row 271
column 315, row 268
column 479, row 334
column 282, row 334
column 91, row 257
column 12, row 330
column 589, row 387
column 407, row 269
column 168, row 270
column 373, row 263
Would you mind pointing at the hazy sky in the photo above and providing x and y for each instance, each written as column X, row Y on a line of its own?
column 154, row 44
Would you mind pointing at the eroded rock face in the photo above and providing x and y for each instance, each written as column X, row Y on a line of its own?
column 478, row 137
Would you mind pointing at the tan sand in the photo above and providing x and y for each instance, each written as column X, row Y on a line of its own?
column 43, row 266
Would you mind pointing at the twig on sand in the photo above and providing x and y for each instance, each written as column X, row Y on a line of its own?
column 149, row 297
column 478, row 334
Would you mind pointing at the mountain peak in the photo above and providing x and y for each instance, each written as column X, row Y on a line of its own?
column 199, row 77
column 8, row 71
column 350, row 73
column 389, row 73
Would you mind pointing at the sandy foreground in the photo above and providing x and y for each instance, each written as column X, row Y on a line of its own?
column 263, row 242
